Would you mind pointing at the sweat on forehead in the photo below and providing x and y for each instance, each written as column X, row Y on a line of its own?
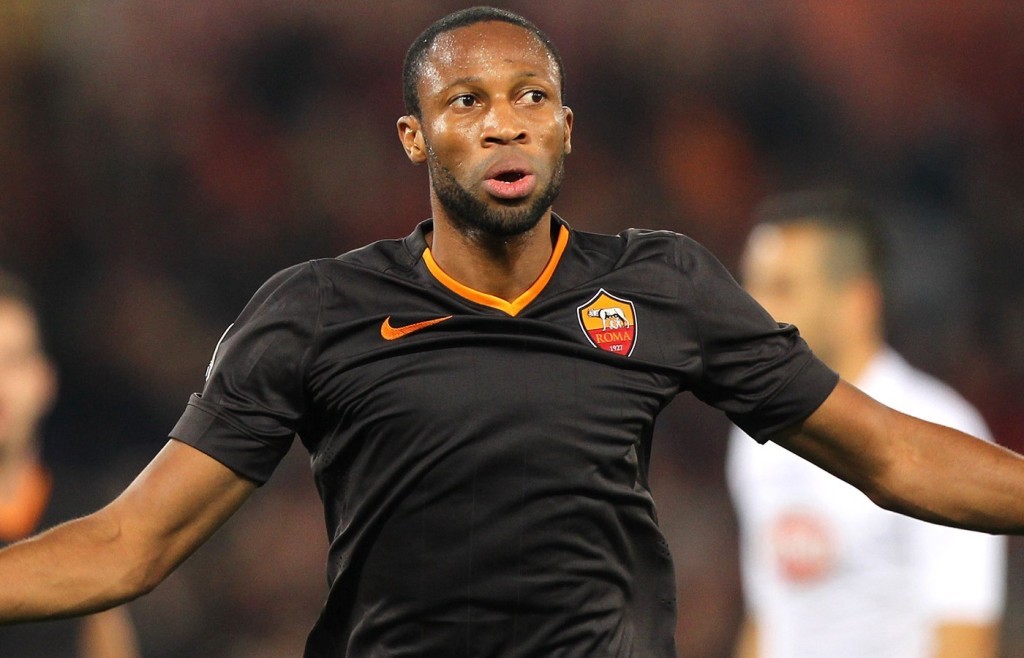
column 474, row 53
column 450, row 47
column 427, row 44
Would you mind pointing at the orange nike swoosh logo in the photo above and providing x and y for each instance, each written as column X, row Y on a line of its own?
column 388, row 332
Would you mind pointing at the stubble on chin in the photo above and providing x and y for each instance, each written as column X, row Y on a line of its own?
column 482, row 221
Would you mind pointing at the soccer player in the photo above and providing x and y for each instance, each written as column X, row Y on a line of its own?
column 826, row 573
column 28, row 387
column 478, row 401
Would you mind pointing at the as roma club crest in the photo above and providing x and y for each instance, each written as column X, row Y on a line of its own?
column 609, row 323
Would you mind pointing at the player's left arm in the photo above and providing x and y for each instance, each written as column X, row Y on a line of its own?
column 911, row 466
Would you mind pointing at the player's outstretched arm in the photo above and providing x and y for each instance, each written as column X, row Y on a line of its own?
column 912, row 466
column 125, row 549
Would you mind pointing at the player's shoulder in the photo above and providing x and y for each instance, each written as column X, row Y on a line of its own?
column 641, row 243
column 380, row 255
column 285, row 281
column 381, row 258
column 308, row 279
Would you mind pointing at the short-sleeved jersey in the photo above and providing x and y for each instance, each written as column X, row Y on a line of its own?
column 828, row 573
column 483, row 463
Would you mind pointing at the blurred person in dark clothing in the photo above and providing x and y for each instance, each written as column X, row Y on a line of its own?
column 31, row 496
column 479, row 399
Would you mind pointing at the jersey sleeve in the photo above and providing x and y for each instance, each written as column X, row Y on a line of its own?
column 254, row 398
column 759, row 372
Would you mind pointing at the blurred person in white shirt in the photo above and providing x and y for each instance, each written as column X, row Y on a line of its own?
column 825, row 571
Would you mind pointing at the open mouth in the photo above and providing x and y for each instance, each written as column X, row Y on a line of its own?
column 510, row 176
column 510, row 180
column 511, row 185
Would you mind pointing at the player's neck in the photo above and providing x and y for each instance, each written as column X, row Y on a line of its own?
column 502, row 267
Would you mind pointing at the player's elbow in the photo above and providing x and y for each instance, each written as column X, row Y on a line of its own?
column 885, row 498
column 135, row 564
column 897, row 476
column 146, row 568
column 904, row 491
column 142, row 577
column 890, row 483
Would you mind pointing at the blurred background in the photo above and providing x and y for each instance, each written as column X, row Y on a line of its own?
column 159, row 160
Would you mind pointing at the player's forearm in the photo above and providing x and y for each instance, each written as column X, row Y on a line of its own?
column 78, row 567
column 945, row 476
column 911, row 466
column 128, row 547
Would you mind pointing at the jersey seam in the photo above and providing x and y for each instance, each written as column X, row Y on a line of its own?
column 314, row 344
column 322, row 280
column 688, row 281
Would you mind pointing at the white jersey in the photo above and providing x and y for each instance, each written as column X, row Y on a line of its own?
column 828, row 573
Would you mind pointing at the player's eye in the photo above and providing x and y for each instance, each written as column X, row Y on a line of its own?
column 463, row 100
column 534, row 96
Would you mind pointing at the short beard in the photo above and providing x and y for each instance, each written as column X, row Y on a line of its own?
column 475, row 218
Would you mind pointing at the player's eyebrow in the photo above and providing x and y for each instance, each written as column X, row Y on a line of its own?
column 464, row 80
column 475, row 79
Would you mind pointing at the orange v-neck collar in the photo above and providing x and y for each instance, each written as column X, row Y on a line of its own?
column 519, row 303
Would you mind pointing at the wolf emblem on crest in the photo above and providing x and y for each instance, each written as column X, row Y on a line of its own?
column 609, row 323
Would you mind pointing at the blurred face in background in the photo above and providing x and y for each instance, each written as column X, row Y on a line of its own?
column 27, row 379
column 785, row 269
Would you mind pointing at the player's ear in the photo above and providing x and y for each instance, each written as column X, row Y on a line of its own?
column 567, row 112
column 410, row 133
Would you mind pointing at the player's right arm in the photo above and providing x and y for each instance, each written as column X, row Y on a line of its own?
column 128, row 547
column 908, row 465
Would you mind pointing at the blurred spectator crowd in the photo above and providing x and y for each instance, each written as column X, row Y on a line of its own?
column 159, row 160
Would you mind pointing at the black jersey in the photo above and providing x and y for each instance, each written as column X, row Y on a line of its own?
column 483, row 463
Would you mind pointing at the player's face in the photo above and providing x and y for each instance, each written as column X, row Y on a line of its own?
column 27, row 381
column 783, row 268
column 493, row 130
